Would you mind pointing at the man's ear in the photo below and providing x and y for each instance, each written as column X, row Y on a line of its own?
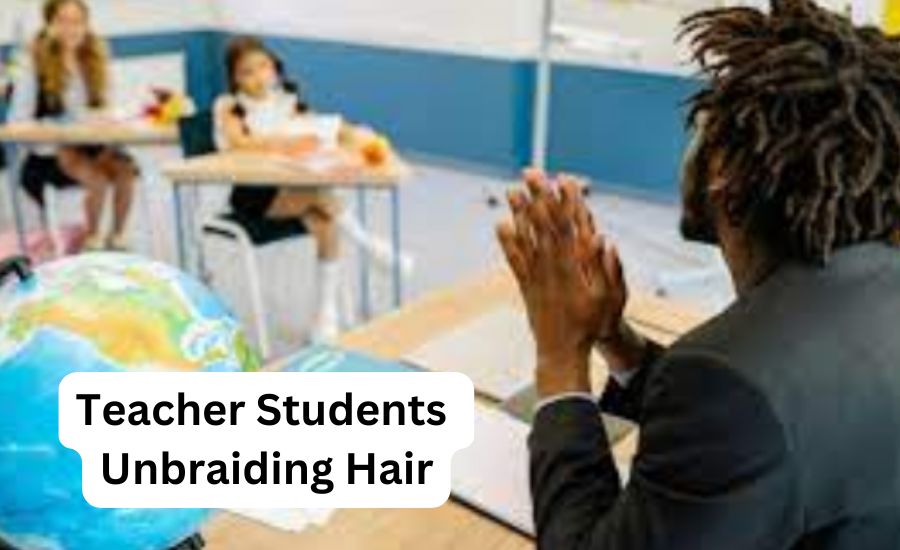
column 715, row 193
column 716, row 190
column 715, row 175
column 716, row 183
column 710, row 209
column 718, row 211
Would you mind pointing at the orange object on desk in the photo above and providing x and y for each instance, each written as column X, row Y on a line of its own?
column 376, row 151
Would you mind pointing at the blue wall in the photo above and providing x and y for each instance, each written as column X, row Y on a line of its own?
column 618, row 127
column 621, row 127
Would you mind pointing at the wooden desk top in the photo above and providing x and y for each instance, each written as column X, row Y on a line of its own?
column 397, row 333
column 453, row 525
column 246, row 168
column 80, row 133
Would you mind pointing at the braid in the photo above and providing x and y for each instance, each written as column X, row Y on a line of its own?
column 805, row 110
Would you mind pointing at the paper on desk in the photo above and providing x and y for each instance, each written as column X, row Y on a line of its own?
column 322, row 163
column 495, row 350
column 287, row 519
column 492, row 473
column 318, row 162
column 106, row 117
column 326, row 128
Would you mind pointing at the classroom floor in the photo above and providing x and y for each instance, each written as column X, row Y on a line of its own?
column 447, row 225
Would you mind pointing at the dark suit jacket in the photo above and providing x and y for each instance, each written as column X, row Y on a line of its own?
column 776, row 425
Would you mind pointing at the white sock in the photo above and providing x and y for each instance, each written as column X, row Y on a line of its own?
column 327, row 322
column 377, row 248
column 350, row 226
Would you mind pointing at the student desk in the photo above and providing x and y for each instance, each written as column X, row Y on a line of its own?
column 132, row 133
column 243, row 168
column 452, row 526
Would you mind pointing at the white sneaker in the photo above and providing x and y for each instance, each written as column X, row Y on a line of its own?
column 119, row 243
column 326, row 329
column 93, row 243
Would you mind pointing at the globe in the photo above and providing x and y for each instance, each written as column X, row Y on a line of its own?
column 97, row 312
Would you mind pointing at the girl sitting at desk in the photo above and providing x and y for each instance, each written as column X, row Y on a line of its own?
column 66, row 76
column 260, row 114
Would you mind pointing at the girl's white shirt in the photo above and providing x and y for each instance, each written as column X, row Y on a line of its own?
column 23, row 105
column 275, row 115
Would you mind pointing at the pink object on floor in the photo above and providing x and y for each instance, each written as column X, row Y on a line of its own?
column 40, row 244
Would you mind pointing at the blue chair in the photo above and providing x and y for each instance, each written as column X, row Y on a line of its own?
column 247, row 233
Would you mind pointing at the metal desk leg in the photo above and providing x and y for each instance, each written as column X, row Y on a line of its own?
column 364, row 291
column 199, row 252
column 150, row 186
column 13, row 171
column 189, row 201
column 180, row 245
column 395, row 243
column 193, row 230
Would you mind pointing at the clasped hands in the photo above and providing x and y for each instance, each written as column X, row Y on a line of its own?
column 571, row 280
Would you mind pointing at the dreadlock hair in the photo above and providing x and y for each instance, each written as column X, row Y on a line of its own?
column 803, row 110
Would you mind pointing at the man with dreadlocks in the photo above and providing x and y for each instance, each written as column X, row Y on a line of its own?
column 776, row 425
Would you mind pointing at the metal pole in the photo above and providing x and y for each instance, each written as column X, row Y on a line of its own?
column 192, row 229
column 542, row 91
column 364, row 293
column 180, row 230
column 395, row 243
column 150, row 186
column 13, row 174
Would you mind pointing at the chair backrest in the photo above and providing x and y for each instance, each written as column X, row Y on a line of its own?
column 196, row 132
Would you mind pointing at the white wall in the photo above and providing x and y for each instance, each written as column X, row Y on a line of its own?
column 493, row 28
column 116, row 17
column 640, row 34
column 637, row 34
column 501, row 28
column 634, row 33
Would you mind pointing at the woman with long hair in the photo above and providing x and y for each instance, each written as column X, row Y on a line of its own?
column 66, row 77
